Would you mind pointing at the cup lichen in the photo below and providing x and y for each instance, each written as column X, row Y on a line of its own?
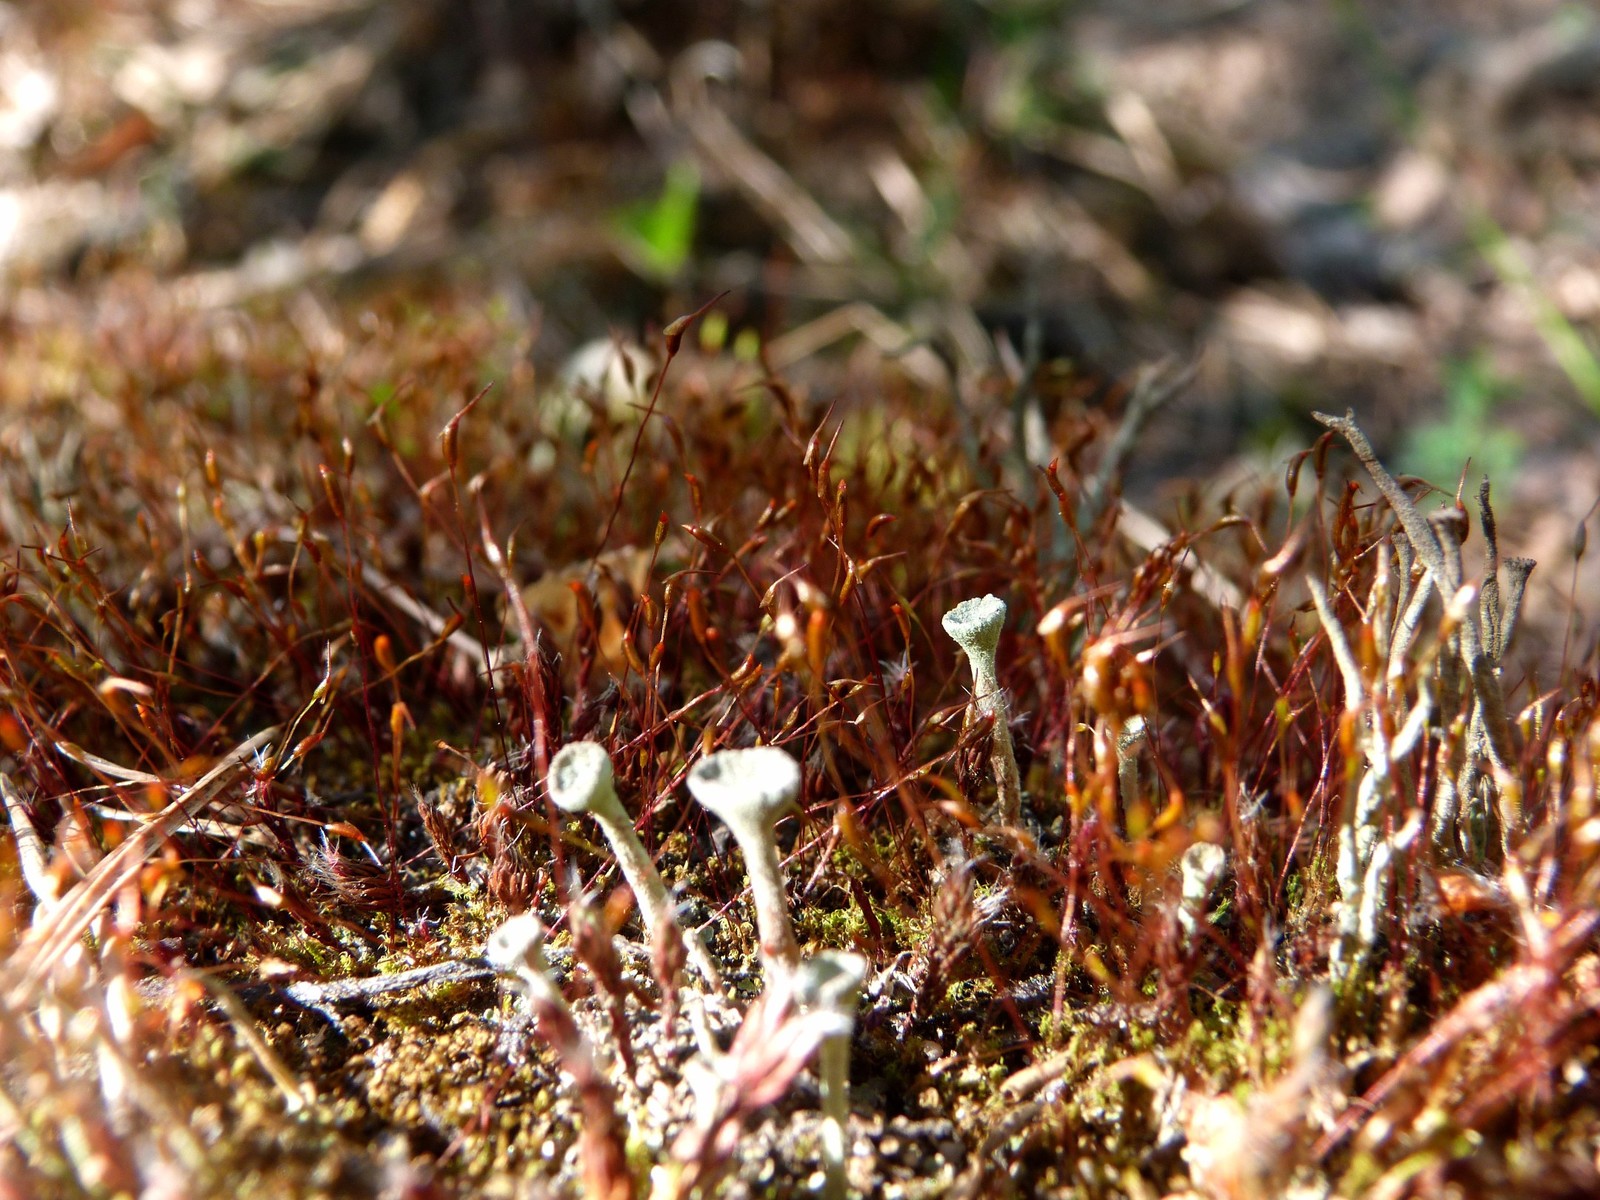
column 582, row 780
column 975, row 625
column 831, row 982
column 749, row 790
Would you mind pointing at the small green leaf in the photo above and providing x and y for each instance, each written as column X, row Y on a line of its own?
column 657, row 238
column 1439, row 450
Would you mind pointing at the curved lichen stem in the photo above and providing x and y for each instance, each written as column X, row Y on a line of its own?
column 581, row 780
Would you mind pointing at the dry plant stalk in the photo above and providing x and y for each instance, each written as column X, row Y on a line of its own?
column 60, row 926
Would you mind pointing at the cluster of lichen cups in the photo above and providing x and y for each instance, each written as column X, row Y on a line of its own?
column 750, row 790
column 582, row 780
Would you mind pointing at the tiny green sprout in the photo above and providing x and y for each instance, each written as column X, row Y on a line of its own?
column 831, row 982
column 975, row 625
column 749, row 790
column 582, row 780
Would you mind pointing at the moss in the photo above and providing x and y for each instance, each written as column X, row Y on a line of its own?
column 837, row 927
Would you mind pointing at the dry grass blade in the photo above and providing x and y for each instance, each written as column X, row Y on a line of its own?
column 30, row 850
column 1481, row 1010
column 296, row 1094
column 56, row 931
column 815, row 236
column 463, row 644
column 115, row 770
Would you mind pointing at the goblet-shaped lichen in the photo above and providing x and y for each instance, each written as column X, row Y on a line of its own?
column 975, row 625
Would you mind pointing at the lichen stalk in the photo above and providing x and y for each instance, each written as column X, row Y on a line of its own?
column 749, row 790
column 582, row 780
column 1198, row 869
column 516, row 950
column 975, row 626
column 831, row 982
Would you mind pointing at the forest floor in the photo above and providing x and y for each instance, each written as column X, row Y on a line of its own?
column 364, row 441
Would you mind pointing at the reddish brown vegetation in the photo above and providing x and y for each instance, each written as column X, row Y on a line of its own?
column 426, row 586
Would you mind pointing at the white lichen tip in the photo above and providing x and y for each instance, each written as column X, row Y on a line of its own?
column 517, row 946
column 1199, row 869
column 749, row 790
column 579, row 774
column 582, row 780
column 830, row 981
column 977, row 623
column 516, row 950
column 760, row 783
